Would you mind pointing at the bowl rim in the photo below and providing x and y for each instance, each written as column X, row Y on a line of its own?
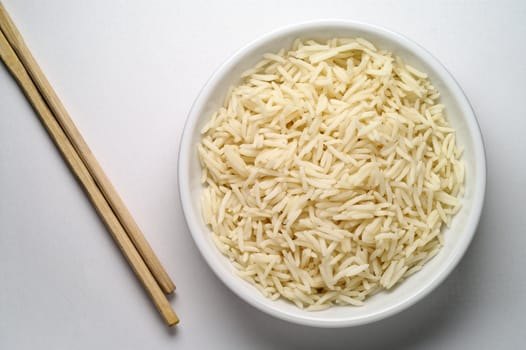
column 185, row 150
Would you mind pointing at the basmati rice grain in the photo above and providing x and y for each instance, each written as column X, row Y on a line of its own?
column 329, row 172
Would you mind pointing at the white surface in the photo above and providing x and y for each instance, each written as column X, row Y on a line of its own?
column 457, row 237
column 128, row 73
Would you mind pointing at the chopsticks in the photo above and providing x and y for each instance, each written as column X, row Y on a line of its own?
column 15, row 40
column 77, row 154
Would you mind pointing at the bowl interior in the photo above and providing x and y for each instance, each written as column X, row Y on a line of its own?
column 460, row 116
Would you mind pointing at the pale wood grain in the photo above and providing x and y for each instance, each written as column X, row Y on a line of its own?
column 82, row 173
column 17, row 43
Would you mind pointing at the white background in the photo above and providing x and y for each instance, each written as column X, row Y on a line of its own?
column 128, row 72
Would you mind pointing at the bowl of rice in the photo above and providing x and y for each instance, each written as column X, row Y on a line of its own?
column 332, row 173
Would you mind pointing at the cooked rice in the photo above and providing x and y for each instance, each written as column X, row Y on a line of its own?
column 329, row 172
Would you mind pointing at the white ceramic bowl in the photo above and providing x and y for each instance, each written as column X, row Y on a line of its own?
column 457, row 237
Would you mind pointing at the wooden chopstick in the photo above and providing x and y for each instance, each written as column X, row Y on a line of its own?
column 132, row 229
column 15, row 66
